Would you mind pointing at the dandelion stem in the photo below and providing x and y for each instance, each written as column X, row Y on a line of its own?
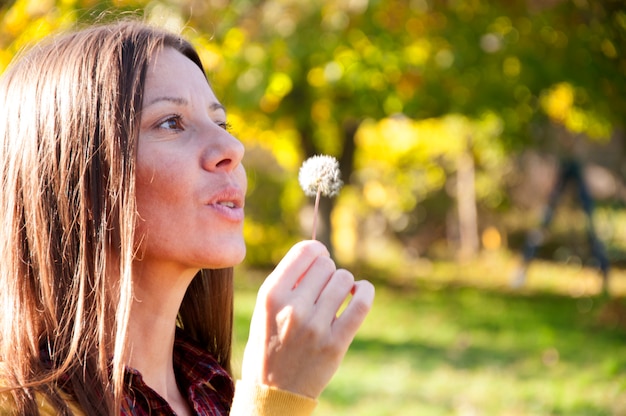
column 315, row 210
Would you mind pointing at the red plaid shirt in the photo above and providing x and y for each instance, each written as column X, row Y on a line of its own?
column 207, row 386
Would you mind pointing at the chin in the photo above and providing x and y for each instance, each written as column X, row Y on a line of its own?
column 229, row 257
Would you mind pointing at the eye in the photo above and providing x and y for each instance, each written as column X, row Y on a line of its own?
column 225, row 125
column 171, row 123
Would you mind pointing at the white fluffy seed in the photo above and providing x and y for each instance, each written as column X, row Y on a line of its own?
column 320, row 173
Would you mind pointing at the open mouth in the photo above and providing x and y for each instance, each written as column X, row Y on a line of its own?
column 229, row 201
column 227, row 204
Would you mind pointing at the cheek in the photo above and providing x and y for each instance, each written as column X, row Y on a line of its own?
column 157, row 190
column 242, row 179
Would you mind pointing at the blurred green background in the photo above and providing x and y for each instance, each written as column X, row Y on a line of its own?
column 450, row 120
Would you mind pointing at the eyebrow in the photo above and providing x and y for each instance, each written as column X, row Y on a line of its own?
column 182, row 101
column 175, row 100
column 217, row 106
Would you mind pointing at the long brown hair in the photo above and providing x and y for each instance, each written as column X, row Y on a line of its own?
column 70, row 110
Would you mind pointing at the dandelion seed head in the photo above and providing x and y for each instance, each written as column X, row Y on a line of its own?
column 320, row 173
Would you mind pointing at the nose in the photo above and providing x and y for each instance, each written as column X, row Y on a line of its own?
column 222, row 151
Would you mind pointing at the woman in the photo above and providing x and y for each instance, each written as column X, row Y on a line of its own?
column 122, row 210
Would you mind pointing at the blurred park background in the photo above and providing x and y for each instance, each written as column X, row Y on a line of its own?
column 453, row 121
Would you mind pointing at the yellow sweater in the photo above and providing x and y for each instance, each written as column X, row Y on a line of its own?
column 249, row 400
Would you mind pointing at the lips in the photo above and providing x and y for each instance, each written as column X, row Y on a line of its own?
column 229, row 203
column 230, row 197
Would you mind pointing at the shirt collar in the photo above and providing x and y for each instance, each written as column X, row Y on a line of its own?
column 195, row 366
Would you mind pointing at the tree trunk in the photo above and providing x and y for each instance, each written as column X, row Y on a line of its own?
column 466, row 205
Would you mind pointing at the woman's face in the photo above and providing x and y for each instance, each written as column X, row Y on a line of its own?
column 190, row 180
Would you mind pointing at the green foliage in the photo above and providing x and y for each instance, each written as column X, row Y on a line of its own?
column 500, row 67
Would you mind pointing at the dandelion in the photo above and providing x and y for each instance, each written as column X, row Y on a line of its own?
column 320, row 175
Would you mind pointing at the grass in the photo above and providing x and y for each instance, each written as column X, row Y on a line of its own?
column 451, row 339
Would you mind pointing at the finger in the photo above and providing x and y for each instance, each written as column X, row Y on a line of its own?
column 315, row 278
column 355, row 312
column 295, row 263
column 334, row 294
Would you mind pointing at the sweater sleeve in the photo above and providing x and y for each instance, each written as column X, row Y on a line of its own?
column 259, row 400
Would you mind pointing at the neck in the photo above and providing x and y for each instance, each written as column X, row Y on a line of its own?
column 152, row 326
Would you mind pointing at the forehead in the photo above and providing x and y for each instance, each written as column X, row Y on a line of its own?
column 169, row 72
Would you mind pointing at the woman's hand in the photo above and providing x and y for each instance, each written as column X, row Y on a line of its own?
column 297, row 340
